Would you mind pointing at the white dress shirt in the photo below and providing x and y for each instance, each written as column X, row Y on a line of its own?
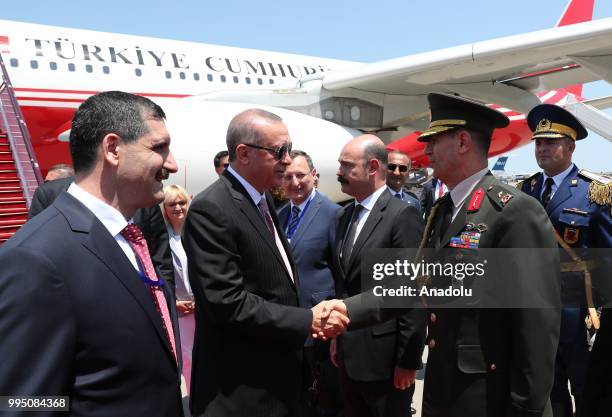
column 109, row 216
column 368, row 205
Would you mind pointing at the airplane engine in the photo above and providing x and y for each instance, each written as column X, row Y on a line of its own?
column 198, row 128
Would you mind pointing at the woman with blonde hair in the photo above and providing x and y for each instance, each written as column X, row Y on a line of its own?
column 175, row 206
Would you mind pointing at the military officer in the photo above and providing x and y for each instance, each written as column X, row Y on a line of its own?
column 482, row 362
column 578, row 205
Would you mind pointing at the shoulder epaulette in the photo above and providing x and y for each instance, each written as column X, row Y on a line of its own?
column 533, row 178
column 600, row 187
column 500, row 195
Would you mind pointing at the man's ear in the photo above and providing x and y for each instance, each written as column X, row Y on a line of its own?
column 373, row 166
column 242, row 154
column 464, row 140
column 110, row 148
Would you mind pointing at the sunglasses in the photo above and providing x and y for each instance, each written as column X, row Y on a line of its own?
column 279, row 152
column 402, row 168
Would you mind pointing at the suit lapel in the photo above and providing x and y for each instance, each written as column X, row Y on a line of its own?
column 308, row 217
column 372, row 221
column 563, row 193
column 104, row 247
column 247, row 207
column 341, row 231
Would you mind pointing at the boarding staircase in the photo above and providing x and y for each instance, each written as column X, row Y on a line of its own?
column 19, row 171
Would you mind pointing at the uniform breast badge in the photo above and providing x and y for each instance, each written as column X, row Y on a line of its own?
column 571, row 235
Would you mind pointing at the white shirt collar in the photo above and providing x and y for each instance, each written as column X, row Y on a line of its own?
column 310, row 197
column 558, row 179
column 109, row 216
column 461, row 191
column 256, row 196
column 369, row 201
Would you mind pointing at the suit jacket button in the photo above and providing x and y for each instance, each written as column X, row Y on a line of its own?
column 493, row 367
column 433, row 318
column 432, row 344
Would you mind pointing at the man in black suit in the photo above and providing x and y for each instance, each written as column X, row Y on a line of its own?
column 150, row 220
column 309, row 222
column 432, row 190
column 84, row 314
column 250, row 330
column 378, row 364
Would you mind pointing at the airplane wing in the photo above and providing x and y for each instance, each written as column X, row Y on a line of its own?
column 508, row 71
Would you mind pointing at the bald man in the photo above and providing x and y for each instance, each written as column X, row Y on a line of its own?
column 378, row 364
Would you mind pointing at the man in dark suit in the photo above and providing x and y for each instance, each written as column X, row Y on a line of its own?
column 250, row 330
column 578, row 205
column 84, row 314
column 150, row 220
column 398, row 170
column 483, row 361
column 432, row 190
column 378, row 364
column 309, row 222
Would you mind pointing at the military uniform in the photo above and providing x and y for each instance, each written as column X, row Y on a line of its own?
column 579, row 210
column 485, row 362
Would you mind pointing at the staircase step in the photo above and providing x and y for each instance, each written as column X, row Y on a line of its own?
column 6, row 165
column 14, row 214
column 4, row 236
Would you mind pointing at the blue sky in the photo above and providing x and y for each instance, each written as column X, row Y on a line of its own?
column 356, row 30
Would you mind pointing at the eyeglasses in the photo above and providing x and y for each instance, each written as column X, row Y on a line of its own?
column 279, row 152
column 402, row 168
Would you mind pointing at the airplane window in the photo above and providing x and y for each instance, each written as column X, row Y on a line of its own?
column 34, row 64
column 14, row 62
column 168, row 74
column 182, row 75
column 209, row 77
column 53, row 65
column 223, row 78
column 259, row 81
column 105, row 69
column 196, row 76
column 138, row 72
column 71, row 67
column 235, row 79
column 271, row 81
column 88, row 68
column 248, row 80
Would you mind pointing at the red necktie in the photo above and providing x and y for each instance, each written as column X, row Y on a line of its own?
column 135, row 238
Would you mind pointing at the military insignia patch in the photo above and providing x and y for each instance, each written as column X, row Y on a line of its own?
column 476, row 200
column 465, row 240
column 504, row 197
column 571, row 235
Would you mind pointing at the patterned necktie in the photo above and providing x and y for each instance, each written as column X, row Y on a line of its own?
column 263, row 209
column 135, row 238
column 295, row 218
column 349, row 241
column 547, row 191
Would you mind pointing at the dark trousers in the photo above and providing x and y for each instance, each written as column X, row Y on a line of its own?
column 374, row 398
column 321, row 396
column 570, row 365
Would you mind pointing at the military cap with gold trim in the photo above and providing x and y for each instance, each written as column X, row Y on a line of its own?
column 450, row 112
column 551, row 122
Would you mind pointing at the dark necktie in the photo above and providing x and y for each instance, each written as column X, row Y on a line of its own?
column 547, row 191
column 295, row 218
column 263, row 209
column 137, row 242
column 347, row 246
column 398, row 195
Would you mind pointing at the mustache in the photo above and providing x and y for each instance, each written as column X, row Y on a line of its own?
column 163, row 174
column 342, row 180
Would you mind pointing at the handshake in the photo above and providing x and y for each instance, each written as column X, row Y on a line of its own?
column 329, row 319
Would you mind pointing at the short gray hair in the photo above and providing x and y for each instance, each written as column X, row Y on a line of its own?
column 242, row 129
